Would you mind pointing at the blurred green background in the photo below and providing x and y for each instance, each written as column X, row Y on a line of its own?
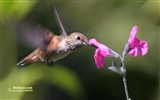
column 76, row 77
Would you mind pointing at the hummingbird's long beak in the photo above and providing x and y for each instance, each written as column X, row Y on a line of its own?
column 93, row 45
column 85, row 42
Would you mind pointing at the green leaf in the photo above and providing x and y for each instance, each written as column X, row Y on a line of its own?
column 14, row 9
column 59, row 76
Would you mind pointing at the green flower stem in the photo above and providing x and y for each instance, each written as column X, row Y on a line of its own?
column 125, row 87
column 124, row 77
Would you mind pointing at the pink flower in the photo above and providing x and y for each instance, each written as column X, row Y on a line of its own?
column 137, row 47
column 101, row 53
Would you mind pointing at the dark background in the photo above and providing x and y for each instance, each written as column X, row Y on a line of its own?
column 76, row 77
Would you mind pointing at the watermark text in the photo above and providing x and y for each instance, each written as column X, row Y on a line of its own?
column 20, row 89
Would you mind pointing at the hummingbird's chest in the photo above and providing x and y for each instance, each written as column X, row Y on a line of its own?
column 62, row 51
column 59, row 55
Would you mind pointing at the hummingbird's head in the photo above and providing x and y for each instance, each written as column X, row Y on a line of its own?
column 78, row 40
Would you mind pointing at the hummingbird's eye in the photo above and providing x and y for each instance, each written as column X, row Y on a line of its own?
column 78, row 38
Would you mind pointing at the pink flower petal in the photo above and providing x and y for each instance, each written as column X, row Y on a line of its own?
column 99, row 59
column 100, row 56
column 140, row 48
column 137, row 47
column 97, row 44
column 100, row 53
column 94, row 42
column 133, row 36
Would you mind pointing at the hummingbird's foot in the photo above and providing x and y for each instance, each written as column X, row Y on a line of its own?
column 49, row 63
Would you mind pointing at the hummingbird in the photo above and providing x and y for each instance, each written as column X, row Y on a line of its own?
column 51, row 47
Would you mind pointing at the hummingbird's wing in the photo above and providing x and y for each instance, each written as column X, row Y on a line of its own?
column 33, row 36
column 59, row 22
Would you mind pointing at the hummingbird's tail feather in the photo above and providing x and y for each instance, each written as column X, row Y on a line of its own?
column 35, row 56
column 27, row 60
column 22, row 63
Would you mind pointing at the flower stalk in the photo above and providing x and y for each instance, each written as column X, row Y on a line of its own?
column 124, row 78
column 134, row 47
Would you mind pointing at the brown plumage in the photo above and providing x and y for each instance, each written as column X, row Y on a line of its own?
column 50, row 47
